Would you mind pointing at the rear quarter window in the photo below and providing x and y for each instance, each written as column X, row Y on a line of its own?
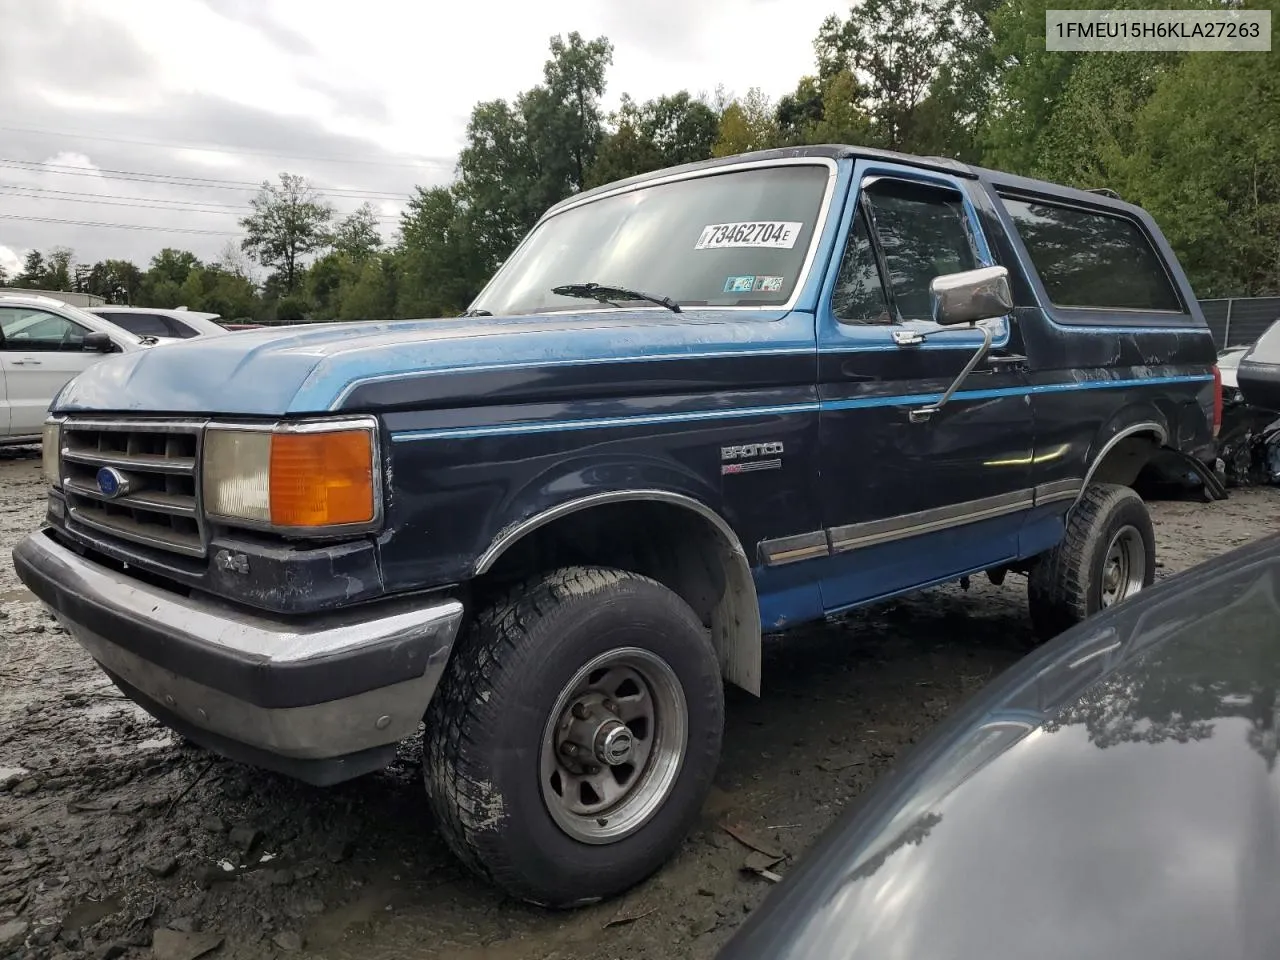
column 1090, row 259
column 139, row 324
column 1267, row 349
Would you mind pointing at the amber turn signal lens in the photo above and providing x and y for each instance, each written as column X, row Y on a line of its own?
column 321, row 479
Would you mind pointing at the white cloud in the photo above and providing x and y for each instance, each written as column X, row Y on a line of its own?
column 10, row 262
column 154, row 85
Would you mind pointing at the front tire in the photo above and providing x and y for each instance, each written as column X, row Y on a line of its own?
column 1107, row 554
column 574, row 736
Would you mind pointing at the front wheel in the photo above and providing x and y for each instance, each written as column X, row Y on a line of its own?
column 574, row 736
column 1107, row 554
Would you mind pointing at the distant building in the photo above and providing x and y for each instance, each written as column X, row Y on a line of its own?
column 75, row 299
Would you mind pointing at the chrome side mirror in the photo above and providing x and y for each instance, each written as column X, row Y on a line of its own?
column 971, row 295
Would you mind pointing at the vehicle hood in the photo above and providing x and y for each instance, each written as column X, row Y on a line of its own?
column 1113, row 795
column 312, row 368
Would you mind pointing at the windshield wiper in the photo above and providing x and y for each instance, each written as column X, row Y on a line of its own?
column 605, row 293
column 477, row 313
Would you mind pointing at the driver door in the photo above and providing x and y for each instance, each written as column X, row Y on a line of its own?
column 39, row 352
column 910, row 502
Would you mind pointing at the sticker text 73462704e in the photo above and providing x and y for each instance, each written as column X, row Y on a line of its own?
column 780, row 234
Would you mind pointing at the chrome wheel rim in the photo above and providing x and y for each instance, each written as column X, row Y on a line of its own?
column 613, row 745
column 1124, row 570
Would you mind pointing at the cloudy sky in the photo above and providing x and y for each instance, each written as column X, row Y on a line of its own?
column 157, row 116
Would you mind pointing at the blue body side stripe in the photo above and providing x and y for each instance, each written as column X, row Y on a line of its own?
column 544, row 426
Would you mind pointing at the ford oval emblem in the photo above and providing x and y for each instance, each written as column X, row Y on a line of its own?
column 112, row 483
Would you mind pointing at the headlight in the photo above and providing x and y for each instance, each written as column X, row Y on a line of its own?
column 292, row 476
column 50, row 447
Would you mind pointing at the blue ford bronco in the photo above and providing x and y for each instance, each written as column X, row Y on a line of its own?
column 692, row 407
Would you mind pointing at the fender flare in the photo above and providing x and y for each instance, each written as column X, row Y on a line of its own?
column 1144, row 426
column 736, row 630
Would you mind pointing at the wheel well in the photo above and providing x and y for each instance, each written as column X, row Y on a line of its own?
column 680, row 548
column 1122, row 461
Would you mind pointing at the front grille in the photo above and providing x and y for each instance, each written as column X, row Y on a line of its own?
column 160, row 460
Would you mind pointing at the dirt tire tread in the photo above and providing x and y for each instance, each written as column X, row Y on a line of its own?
column 499, row 639
column 1060, row 583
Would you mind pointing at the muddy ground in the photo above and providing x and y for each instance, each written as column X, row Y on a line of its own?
column 117, row 840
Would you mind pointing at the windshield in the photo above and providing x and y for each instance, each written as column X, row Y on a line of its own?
column 731, row 239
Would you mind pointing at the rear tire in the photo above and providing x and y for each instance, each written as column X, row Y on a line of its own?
column 574, row 736
column 1107, row 554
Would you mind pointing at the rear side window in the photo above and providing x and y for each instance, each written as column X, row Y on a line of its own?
column 140, row 324
column 1267, row 349
column 1091, row 259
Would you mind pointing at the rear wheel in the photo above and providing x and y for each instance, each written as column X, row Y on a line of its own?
column 1107, row 554
column 573, row 739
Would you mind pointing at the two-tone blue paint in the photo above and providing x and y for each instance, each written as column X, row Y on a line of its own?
column 490, row 421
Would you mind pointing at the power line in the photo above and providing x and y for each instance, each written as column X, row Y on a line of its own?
column 9, row 192
column 121, row 226
column 140, row 203
column 11, row 185
column 183, row 181
column 195, row 145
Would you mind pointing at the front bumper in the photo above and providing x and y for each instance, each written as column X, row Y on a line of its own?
column 324, row 699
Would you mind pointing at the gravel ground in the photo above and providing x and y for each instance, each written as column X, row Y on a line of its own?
column 117, row 840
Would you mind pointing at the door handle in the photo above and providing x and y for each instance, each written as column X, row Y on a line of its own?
column 1008, row 361
column 26, row 362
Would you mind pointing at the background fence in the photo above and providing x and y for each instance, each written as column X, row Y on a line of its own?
column 1239, row 321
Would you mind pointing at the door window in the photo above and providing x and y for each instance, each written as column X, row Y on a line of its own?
column 921, row 231
column 859, row 294
column 28, row 329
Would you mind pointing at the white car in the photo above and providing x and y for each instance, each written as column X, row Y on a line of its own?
column 43, row 344
column 1229, row 365
column 162, row 324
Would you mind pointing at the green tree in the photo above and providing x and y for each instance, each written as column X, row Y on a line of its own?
column 521, row 158
column 357, row 236
column 1204, row 159
column 58, row 269
column 162, row 284
column 326, row 281
column 799, row 112
column 496, row 180
column 844, row 120
column 116, row 281
column 575, row 80
column 898, row 50
column 747, row 124
column 373, row 294
column 663, row 132
column 682, row 128
column 289, row 222
column 439, row 269
column 626, row 151
column 33, row 270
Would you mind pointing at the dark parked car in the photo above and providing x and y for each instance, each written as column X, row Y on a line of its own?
column 559, row 524
column 1114, row 795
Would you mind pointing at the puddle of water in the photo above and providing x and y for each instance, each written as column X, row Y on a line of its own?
column 7, row 772
column 88, row 912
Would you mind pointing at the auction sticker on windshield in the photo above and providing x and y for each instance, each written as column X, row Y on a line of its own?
column 781, row 234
